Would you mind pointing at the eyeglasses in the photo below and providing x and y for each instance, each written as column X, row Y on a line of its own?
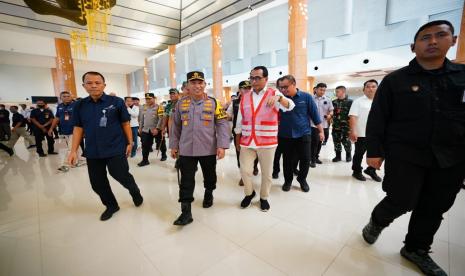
column 283, row 87
column 256, row 78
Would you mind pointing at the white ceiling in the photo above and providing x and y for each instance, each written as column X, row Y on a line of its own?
column 146, row 24
column 20, row 59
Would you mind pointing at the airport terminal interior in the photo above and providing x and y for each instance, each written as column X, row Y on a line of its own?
column 50, row 219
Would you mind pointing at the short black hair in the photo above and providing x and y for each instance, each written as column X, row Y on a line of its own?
column 2, row 105
column 64, row 92
column 321, row 84
column 290, row 78
column 341, row 87
column 278, row 80
column 263, row 68
column 14, row 106
column 372, row 80
column 434, row 23
column 135, row 99
column 92, row 73
column 184, row 85
column 125, row 98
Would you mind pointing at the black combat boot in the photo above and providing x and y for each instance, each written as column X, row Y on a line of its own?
column 186, row 215
column 207, row 199
column 348, row 157
column 371, row 231
column 338, row 157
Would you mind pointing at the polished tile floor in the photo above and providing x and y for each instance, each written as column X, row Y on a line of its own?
column 49, row 225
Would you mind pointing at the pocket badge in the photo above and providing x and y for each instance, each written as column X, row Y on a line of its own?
column 415, row 88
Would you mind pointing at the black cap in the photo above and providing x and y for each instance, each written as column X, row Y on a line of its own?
column 149, row 95
column 173, row 91
column 245, row 84
column 195, row 75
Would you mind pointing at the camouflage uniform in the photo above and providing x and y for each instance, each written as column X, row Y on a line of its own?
column 341, row 125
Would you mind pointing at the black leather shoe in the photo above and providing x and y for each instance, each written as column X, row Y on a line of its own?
column 359, row 176
column 373, row 175
column 424, row 262
column 275, row 175
column 338, row 157
column 304, row 185
column 52, row 153
column 287, row 187
column 163, row 158
column 207, row 199
column 247, row 200
column 312, row 165
column 318, row 161
column 255, row 171
column 143, row 163
column 137, row 199
column 42, row 154
column 264, row 205
column 108, row 213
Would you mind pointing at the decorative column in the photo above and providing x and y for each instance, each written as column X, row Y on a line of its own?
column 216, row 62
column 297, row 38
column 56, row 83
column 172, row 60
column 64, row 67
column 311, row 84
column 146, row 77
column 460, row 57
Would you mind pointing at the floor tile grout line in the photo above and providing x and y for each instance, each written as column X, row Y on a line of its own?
column 258, row 257
column 333, row 260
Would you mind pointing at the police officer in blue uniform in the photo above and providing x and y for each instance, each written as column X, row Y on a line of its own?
column 41, row 118
column 104, row 120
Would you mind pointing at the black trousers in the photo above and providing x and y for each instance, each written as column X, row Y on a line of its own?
column 119, row 169
column 39, row 136
column 360, row 149
column 147, row 143
column 316, row 143
column 5, row 132
column 188, row 166
column 277, row 156
column 429, row 192
column 296, row 150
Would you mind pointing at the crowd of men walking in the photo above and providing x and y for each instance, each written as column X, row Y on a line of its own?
column 414, row 122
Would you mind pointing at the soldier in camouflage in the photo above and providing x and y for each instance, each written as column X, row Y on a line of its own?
column 341, row 127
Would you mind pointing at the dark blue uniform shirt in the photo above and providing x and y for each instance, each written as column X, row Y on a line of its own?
column 296, row 123
column 102, row 141
column 65, row 114
column 41, row 116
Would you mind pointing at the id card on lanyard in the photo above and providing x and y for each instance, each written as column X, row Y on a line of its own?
column 103, row 120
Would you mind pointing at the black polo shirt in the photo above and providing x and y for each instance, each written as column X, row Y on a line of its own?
column 4, row 116
column 18, row 118
column 419, row 116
